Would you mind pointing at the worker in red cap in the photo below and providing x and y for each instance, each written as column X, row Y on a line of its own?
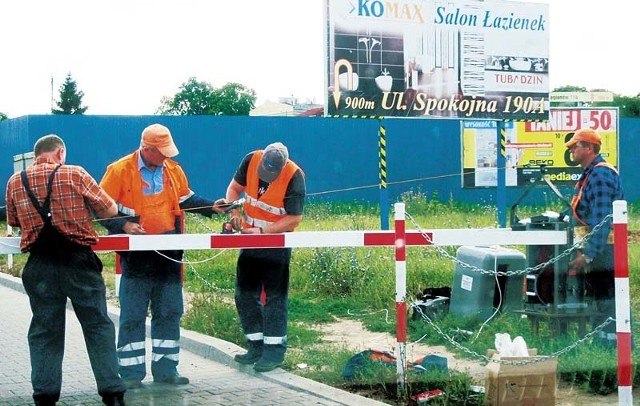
column 596, row 190
column 150, row 190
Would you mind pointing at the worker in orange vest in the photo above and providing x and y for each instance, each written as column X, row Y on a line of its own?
column 274, row 189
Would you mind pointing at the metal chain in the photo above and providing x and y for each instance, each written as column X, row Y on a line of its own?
column 211, row 286
column 527, row 270
column 538, row 267
column 531, row 360
column 198, row 219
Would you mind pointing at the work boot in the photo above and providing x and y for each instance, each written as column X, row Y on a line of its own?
column 272, row 358
column 113, row 399
column 46, row 400
column 173, row 380
column 252, row 355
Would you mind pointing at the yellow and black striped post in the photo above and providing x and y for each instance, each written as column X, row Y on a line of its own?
column 501, row 163
column 503, row 142
column 384, row 194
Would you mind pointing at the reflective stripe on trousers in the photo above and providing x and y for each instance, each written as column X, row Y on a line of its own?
column 268, row 268
column 161, row 294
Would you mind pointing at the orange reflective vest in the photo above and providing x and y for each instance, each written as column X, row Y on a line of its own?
column 268, row 208
column 123, row 182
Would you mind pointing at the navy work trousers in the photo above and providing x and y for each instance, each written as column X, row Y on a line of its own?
column 268, row 268
column 601, row 281
column 162, row 294
column 49, row 280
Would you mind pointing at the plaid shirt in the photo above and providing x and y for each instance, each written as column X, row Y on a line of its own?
column 602, row 188
column 74, row 193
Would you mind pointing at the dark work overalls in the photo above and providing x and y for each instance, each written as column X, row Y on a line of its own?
column 57, row 269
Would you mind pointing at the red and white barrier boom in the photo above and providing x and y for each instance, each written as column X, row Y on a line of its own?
column 623, row 303
column 314, row 239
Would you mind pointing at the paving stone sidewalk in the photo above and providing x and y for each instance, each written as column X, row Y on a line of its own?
column 215, row 378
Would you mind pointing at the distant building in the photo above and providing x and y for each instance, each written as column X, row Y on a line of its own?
column 288, row 107
column 270, row 108
column 313, row 112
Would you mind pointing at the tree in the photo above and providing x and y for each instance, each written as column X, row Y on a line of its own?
column 3, row 116
column 70, row 98
column 233, row 99
column 201, row 98
column 570, row 88
column 628, row 106
column 194, row 98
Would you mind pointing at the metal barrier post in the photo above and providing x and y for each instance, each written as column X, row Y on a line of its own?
column 118, row 274
column 9, row 256
column 401, row 305
column 623, row 302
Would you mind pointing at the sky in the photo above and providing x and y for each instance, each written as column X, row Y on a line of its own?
column 126, row 55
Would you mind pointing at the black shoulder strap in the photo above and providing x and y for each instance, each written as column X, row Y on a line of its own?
column 43, row 210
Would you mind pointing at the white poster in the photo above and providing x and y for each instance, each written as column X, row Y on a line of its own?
column 458, row 59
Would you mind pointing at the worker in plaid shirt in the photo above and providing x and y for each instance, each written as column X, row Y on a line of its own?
column 53, row 204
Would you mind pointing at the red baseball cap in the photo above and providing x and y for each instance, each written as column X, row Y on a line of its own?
column 159, row 136
column 586, row 135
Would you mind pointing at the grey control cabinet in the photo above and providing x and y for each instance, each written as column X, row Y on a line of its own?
column 479, row 294
column 555, row 288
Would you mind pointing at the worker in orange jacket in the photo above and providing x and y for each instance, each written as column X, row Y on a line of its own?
column 150, row 190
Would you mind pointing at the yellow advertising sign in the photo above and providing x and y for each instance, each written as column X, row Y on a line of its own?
column 530, row 145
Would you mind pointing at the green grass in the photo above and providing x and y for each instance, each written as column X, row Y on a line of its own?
column 359, row 284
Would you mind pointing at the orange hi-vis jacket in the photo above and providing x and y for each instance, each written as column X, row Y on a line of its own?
column 269, row 208
column 123, row 182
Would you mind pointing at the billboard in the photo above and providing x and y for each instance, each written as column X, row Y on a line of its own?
column 437, row 59
column 528, row 145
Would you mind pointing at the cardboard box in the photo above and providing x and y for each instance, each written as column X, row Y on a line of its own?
column 520, row 385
